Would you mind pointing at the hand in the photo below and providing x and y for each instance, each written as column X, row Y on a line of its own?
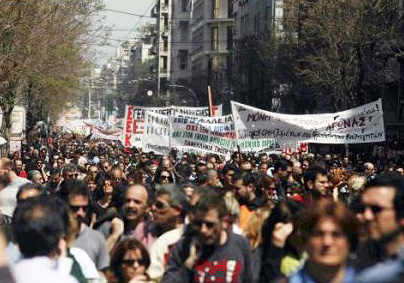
column 194, row 253
column 280, row 234
column 117, row 227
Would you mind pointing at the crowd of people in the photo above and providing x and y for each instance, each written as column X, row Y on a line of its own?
column 92, row 211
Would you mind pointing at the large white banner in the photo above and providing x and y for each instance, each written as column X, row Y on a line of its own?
column 203, row 134
column 363, row 124
column 133, row 129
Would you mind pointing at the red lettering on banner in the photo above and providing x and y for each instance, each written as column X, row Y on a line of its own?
column 138, row 127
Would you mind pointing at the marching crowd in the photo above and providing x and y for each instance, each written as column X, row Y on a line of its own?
column 92, row 211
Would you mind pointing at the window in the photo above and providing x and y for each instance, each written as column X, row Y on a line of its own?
column 229, row 38
column 184, row 5
column 183, row 54
column 230, row 8
column 164, row 63
column 184, row 31
column 215, row 9
column 215, row 38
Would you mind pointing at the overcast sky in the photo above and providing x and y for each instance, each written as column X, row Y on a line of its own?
column 123, row 26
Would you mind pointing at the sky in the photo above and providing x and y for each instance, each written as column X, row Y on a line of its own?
column 122, row 26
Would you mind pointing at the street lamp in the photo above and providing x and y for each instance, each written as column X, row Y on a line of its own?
column 190, row 90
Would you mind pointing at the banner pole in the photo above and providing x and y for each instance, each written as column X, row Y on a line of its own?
column 210, row 101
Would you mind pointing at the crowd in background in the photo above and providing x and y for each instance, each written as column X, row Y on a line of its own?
column 93, row 211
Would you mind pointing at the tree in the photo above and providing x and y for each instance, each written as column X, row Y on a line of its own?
column 41, row 44
column 344, row 51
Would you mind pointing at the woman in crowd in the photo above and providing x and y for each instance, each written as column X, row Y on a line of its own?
column 105, row 192
column 129, row 261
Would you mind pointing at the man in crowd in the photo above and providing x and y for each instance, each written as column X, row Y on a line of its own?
column 10, row 183
column 19, row 169
column 383, row 213
column 209, row 251
column 88, row 239
column 316, row 185
column 39, row 231
column 283, row 173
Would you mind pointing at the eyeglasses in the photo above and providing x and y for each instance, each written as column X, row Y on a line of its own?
column 376, row 209
column 164, row 177
column 72, row 175
column 131, row 262
column 76, row 208
column 199, row 223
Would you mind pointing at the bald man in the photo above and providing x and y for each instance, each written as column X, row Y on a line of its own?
column 10, row 183
column 134, row 219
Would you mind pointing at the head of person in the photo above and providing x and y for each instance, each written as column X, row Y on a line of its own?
column 369, row 169
column 209, row 218
column 93, row 171
column 246, row 188
column 143, row 158
column 38, row 228
column 329, row 232
column 35, row 177
column 117, row 176
column 267, row 187
column 70, row 171
column 18, row 166
column 228, row 173
column 286, row 211
column 383, row 206
column 55, row 176
column 188, row 189
column 163, row 177
column 236, row 157
column 169, row 206
column 60, row 163
column 264, row 166
column 106, row 166
column 29, row 190
column 129, row 259
column 5, row 171
column 283, row 169
column 213, row 177
column 316, row 180
column 135, row 203
column 77, row 196
column 106, row 186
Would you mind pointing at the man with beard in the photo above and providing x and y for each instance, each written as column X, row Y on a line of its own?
column 55, row 178
column 18, row 168
column 209, row 251
column 88, row 239
column 10, row 183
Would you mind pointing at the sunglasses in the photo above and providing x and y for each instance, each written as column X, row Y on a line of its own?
column 131, row 262
column 199, row 223
column 159, row 204
column 72, row 175
column 76, row 208
column 165, row 177
column 376, row 209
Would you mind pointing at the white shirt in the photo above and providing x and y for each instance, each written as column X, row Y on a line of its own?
column 40, row 269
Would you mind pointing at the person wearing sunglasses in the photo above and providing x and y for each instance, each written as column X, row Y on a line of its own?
column 382, row 208
column 209, row 251
column 129, row 261
column 88, row 239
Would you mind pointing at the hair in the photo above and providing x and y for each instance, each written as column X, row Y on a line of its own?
column 211, row 200
column 54, row 171
column 69, row 167
column 31, row 175
column 177, row 196
column 394, row 181
column 282, row 164
column 338, row 212
column 232, row 205
column 118, row 255
column 249, row 179
column 312, row 172
column 37, row 227
column 6, row 163
column 30, row 186
column 356, row 183
column 73, row 187
column 253, row 229
column 286, row 211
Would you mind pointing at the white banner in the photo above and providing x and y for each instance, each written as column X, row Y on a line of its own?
column 133, row 128
column 203, row 134
column 363, row 124
column 156, row 133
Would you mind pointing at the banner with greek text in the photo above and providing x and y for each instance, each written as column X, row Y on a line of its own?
column 203, row 134
column 133, row 128
column 156, row 133
column 363, row 124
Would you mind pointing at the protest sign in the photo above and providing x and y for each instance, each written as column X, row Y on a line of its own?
column 203, row 134
column 133, row 129
column 156, row 133
column 363, row 124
